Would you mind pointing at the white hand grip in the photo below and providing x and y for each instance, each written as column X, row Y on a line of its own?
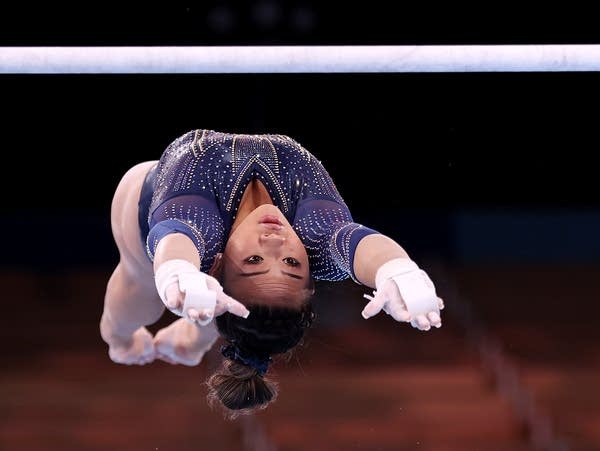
column 197, row 295
column 192, row 282
column 417, row 292
column 415, row 286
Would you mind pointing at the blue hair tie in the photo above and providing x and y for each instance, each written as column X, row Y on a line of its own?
column 233, row 353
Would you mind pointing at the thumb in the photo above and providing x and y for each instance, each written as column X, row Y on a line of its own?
column 373, row 307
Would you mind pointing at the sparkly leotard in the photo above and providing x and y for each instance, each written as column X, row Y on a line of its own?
column 199, row 181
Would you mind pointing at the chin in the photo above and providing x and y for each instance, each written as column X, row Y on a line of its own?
column 269, row 208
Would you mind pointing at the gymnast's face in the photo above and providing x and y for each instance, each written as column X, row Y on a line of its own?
column 265, row 259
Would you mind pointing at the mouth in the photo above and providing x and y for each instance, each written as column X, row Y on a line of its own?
column 271, row 222
column 270, row 219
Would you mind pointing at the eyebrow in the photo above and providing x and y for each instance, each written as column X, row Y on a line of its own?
column 256, row 273
column 250, row 274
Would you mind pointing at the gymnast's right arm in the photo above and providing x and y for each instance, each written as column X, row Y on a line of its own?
column 186, row 232
column 182, row 286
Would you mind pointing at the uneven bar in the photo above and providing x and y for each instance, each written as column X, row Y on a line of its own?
column 299, row 59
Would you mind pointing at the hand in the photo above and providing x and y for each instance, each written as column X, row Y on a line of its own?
column 209, row 302
column 190, row 293
column 405, row 292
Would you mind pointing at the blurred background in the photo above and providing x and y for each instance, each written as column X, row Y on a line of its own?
column 488, row 180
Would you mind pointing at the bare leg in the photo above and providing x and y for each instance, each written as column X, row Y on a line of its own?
column 128, row 307
column 185, row 342
column 131, row 301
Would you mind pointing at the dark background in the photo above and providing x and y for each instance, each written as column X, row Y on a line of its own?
column 421, row 148
column 488, row 180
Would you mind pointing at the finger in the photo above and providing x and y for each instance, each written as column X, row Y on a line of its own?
column 174, row 296
column 204, row 322
column 373, row 307
column 226, row 303
column 423, row 323
column 441, row 303
column 193, row 314
column 205, row 316
column 398, row 312
column 434, row 319
column 202, row 318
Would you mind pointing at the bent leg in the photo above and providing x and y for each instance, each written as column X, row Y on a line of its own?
column 128, row 307
column 131, row 301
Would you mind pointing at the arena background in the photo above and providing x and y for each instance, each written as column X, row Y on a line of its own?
column 488, row 179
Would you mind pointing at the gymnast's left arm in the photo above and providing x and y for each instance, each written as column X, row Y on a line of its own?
column 401, row 289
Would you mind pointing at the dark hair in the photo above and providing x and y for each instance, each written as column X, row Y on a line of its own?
column 240, row 384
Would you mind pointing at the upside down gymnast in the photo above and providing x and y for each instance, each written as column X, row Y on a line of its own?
column 229, row 232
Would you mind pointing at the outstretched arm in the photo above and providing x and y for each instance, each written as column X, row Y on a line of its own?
column 372, row 252
column 402, row 289
column 176, row 246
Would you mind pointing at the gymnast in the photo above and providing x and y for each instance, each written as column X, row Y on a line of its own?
column 229, row 232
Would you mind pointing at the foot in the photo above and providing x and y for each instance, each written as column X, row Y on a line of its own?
column 138, row 351
column 184, row 342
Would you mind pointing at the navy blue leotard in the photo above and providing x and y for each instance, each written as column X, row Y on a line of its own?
column 199, row 181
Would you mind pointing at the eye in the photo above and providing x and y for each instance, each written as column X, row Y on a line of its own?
column 253, row 259
column 291, row 261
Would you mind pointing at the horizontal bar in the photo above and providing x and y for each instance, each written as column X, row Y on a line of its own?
column 299, row 59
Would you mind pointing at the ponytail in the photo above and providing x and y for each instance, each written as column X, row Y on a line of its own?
column 240, row 385
column 240, row 388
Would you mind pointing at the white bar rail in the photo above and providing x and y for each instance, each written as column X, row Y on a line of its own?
column 299, row 59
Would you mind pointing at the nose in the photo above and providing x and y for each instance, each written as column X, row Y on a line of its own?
column 272, row 240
